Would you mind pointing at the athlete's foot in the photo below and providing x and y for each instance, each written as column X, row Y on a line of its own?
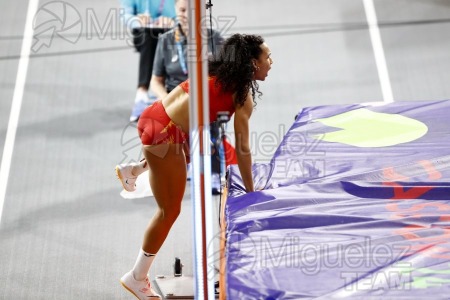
column 141, row 289
column 126, row 177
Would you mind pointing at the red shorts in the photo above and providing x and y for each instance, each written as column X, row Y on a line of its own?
column 155, row 127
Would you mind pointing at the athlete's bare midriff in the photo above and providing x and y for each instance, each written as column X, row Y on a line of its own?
column 176, row 105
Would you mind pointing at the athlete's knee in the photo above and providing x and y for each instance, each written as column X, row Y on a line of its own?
column 171, row 214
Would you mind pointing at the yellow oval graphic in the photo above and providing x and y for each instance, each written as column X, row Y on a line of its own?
column 365, row 128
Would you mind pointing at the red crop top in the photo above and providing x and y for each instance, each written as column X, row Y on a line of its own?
column 218, row 100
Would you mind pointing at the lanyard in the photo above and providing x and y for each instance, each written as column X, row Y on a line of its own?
column 179, row 45
column 161, row 7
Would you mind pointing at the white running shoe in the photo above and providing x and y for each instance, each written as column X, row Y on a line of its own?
column 125, row 176
column 141, row 289
column 138, row 109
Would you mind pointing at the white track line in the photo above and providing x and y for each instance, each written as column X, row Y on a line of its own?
column 378, row 50
column 17, row 101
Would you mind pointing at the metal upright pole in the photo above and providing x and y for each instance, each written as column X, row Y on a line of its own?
column 200, row 151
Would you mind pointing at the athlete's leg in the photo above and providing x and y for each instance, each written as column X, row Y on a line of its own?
column 167, row 164
column 167, row 177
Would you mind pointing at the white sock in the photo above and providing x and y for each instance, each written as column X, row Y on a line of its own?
column 142, row 95
column 142, row 265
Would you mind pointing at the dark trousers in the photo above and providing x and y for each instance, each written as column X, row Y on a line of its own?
column 214, row 131
column 145, row 41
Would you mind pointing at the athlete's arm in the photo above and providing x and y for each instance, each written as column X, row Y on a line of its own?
column 243, row 152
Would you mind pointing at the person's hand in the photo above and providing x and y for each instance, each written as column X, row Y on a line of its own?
column 164, row 22
column 144, row 19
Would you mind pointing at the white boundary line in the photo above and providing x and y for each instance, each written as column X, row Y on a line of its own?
column 17, row 101
column 378, row 50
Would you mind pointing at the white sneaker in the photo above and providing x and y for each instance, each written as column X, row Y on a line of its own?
column 125, row 176
column 141, row 289
column 138, row 109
